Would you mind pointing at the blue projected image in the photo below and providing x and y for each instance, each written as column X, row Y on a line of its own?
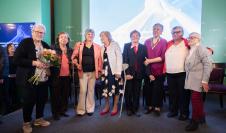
column 121, row 17
column 14, row 32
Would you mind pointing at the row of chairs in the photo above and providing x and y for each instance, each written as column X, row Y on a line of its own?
column 216, row 81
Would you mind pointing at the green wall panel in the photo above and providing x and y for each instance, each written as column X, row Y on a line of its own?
column 71, row 16
column 45, row 18
column 213, row 28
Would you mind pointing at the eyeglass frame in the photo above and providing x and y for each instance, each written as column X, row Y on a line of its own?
column 38, row 32
column 176, row 32
column 192, row 37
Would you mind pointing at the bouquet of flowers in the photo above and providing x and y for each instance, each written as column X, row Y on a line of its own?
column 50, row 58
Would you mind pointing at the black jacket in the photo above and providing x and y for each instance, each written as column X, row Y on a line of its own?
column 23, row 57
column 129, row 58
column 55, row 71
column 1, row 62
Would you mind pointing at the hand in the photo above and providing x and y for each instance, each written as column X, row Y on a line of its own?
column 205, row 87
column 79, row 67
column 99, row 74
column 146, row 62
column 74, row 61
column 151, row 77
column 129, row 77
column 117, row 76
column 1, row 81
column 48, row 73
column 39, row 64
column 46, row 65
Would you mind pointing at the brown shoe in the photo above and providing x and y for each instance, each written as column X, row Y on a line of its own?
column 41, row 122
column 27, row 127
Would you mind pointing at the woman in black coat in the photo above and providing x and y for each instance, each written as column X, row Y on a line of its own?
column 27, row 61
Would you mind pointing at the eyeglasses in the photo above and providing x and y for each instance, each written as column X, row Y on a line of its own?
column 176, row 32
column 192, row 37
column 39, row 32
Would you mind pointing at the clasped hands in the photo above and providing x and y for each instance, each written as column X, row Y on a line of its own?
column 74, row 61
column 146, row 62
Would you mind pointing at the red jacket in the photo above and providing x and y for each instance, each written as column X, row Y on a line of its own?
column 169, row 44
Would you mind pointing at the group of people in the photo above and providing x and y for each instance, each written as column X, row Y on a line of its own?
column 184, row 62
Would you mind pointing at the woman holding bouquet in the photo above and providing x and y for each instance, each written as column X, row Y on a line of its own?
column 61, row 77
column 87, row 57
column 28, row 64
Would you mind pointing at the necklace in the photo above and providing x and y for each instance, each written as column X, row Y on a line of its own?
column 153, row 44
column 88, row 44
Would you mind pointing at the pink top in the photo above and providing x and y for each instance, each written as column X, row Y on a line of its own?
column 64, row 69
column 154, row 52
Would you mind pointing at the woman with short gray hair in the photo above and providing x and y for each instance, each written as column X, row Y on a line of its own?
column 28, row 63
column 198, row 66
column 87, row 57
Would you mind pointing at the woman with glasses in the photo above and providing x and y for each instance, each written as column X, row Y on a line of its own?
column 176, row 52
column 198, row 66
column 28, row 63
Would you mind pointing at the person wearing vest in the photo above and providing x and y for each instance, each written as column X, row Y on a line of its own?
column 134, row 54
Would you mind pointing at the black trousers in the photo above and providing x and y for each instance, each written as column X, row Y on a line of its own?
column 34, row 95
column 14, row 94
column 2, row 105
column 132, row 94
column 59, row 92
column 179, row 98
column 155, row 92
column 4, row 97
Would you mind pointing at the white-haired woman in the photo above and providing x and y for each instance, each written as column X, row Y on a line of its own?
column 111, row 74
column 28, row 63
column 198, row 66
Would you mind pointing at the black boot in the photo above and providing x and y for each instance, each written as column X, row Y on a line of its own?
column 56, row 117
column 183, row 117
column 202, row 121
column 129, row 112
column 192, row 126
